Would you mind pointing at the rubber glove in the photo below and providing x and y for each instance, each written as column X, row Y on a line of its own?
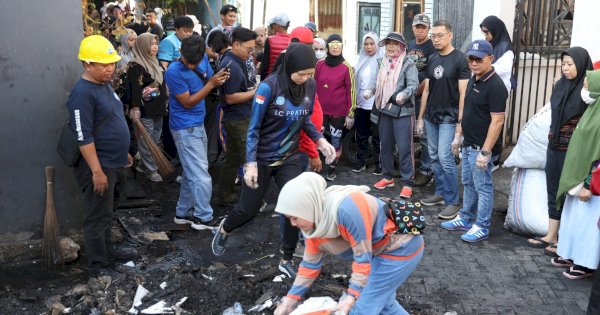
column 367, row 94
column 482, row 160
column 134, row 113
column 345, row 304
column 349, row 122
column 251, row 175
column 400, row 98
column 327, row 149
column 287, row 306
column 456, row 143
column 420, row 127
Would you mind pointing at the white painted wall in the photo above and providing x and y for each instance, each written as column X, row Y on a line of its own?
column 585, row 27
column 503, row 9
column 350, row 24
column 296, row 10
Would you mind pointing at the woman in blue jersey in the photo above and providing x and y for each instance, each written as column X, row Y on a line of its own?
column 283, row 104
column 353, row 225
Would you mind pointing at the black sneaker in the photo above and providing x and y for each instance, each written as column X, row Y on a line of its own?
column 377, row 170
column 200, row 225
column 421, row 180
column 331, row 174
column 219, row 240
column 288, row 268
column 359, row 168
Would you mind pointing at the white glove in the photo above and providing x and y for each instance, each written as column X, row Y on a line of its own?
column 287, row 306
column 251, row 175
column 400, row 99
column 349, row 122
column 482, row 160
column 456, row 143
column 134, row 113
column 345, row 304
column 367, row 94
column 327, row 149
column 420, row 127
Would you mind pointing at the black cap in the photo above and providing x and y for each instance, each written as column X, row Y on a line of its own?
column 393, row 36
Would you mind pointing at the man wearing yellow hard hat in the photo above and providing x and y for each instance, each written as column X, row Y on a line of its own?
column 99, row 125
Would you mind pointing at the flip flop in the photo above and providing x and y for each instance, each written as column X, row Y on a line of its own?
column 551, row 250
column 578, row 272
column 538, row 242
column 561, row 262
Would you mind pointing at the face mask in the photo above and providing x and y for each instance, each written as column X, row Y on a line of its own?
column 320, row 54
column 585, row 96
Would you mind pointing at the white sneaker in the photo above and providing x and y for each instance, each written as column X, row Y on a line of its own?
column 154, row 177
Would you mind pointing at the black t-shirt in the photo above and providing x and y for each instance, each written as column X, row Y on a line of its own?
column 237, row 82
column 157, row 30
column 138, row 79
column 484, row 97
column 90, row 105
column 419, row 53
column 443, row 73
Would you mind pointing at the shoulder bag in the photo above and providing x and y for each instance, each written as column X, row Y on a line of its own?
column 408, row 216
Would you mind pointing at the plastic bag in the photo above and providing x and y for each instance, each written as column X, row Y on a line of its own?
column 527, row 207
column 530, row 151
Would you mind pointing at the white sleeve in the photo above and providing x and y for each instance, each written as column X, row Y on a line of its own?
column 503, row 67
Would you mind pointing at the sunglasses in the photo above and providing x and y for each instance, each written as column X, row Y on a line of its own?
column 334, row 45
column 477, row 60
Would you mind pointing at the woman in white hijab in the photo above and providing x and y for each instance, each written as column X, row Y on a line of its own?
column 367, row 68
column 347, row 222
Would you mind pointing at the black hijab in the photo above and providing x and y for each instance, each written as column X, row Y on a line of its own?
column 298, row 57
column 566, row 99
column 500, row 38
column 330, row 60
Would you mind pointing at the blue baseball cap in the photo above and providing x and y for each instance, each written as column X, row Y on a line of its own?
column 480, row 48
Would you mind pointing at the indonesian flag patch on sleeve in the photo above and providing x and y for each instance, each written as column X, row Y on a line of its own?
column 260, row 99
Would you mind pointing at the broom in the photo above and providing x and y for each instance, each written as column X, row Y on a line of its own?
column 51, row 251
column 164, row 166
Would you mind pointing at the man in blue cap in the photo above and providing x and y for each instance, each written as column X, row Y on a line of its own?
column 481, row 125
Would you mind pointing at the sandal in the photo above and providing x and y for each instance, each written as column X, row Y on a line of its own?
column 561, row 262
column 551, row 251
column 578, row 272
column 538, row 242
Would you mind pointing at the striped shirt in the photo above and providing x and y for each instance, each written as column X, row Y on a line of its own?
column 365, row 232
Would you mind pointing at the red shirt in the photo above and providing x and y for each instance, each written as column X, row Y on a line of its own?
column 307, row 145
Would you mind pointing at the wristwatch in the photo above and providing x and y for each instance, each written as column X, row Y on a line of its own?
column 485, row 153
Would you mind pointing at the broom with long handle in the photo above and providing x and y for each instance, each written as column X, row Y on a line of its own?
column 51, row 249
column 164, row 166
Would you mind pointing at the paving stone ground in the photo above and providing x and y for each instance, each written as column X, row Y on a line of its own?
column 501, row 275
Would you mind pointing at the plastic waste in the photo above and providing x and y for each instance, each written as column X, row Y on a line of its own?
column 236, row 309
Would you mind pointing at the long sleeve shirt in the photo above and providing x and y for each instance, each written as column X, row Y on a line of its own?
column 307, row 145
column 365, row 232
column 336, row 89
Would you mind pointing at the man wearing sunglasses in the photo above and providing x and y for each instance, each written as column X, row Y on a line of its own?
column 441, row 112
column 482, row 121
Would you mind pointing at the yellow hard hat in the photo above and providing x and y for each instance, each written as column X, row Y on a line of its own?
column 98, row 49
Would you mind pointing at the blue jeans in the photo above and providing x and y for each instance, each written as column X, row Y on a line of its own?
column 196, row 184
column 439, row 139
column 478, row 191
column 387, row 274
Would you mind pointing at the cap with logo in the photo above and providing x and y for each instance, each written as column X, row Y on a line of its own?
column 480, row 48
column 421, row 19
column 392, row 36
column 280, row 19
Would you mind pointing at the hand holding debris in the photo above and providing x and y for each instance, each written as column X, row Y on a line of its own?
column 287, row 306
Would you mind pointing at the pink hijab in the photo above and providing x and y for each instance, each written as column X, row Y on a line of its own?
column 387, row 79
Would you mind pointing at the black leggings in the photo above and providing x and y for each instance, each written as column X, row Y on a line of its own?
column 554, row 165
column 251, row 201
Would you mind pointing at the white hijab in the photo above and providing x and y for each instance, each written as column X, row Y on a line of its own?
column 307, row 197
column 364, row 59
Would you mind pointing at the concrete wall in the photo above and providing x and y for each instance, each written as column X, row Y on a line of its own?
column 503, row 9
column 38, row 67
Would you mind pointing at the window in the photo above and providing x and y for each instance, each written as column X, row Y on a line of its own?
column 369, row 19
column 406, row 11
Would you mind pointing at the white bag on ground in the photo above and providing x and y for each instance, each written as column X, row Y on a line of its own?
column 527, row 203
column 530, row 151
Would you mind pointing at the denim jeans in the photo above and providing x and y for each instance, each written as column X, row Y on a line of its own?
column 196, row 184
column 478, row 191
column 387, row 275
column 153, row 126
column 439, row 139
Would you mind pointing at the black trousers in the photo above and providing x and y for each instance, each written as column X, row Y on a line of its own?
column 364, row 129
column 211, row 125
column 554, row 164
column 98, row 212
column 167, row 139
column 594, row 303
column 251, row 201
column 235, row 156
